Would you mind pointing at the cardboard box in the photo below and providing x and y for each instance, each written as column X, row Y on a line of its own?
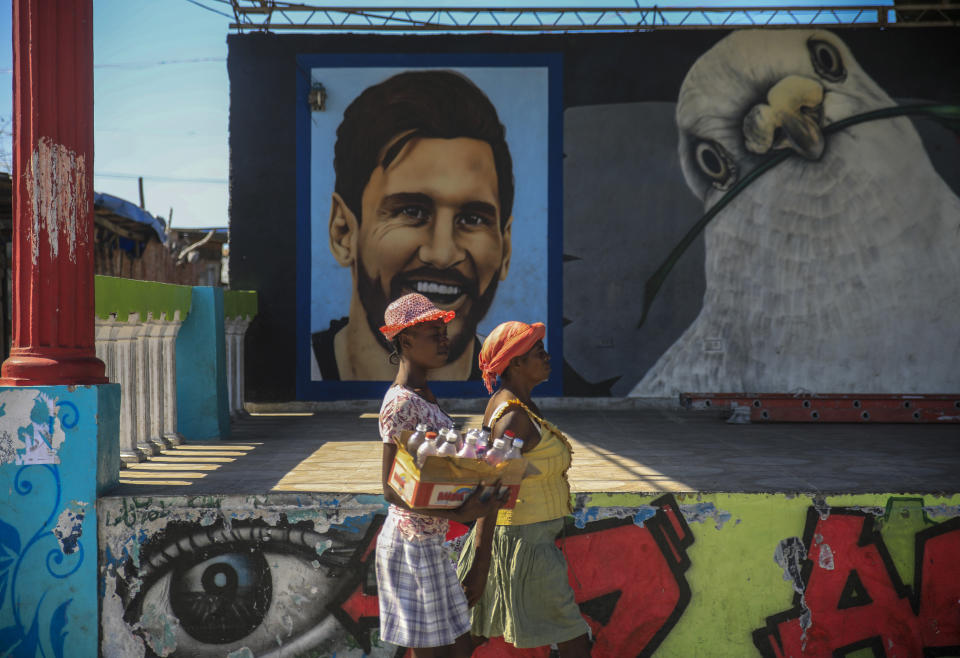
column 444, row 482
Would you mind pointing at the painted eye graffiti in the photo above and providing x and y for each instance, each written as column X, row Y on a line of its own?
column 209, row 591
column 826, row 60
column 715, row 163
column 222, row 599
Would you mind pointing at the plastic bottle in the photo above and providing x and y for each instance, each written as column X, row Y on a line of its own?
column 449, row 446
column 516, row 450
column 413, row 443
column 497, row 453
column 482, row 446
column 427, row 448
column 469, row 449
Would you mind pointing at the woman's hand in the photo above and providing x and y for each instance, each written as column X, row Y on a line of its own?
column 473, row 507
column 475, row 582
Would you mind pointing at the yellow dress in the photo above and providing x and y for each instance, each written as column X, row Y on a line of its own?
column 546, row 495
column 528, row 599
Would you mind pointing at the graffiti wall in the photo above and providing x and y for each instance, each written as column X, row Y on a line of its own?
column 58, row 448
column 674, row 575
column 753, row 210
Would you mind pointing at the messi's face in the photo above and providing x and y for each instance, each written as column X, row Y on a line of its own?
column 431, row 224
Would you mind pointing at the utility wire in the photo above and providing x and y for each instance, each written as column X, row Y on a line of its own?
column 165, row 179
column 143, row 65
column 215, row 11
column 162, row 62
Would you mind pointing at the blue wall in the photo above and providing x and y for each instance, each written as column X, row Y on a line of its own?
column 203, row 410
column 59, row 449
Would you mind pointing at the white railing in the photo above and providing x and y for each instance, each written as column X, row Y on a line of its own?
column 140, row 355
column 235, row 329
column 137, row 327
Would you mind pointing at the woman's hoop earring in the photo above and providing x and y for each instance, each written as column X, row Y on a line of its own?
column 395, row 355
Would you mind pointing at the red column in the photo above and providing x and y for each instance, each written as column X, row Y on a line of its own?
column 53, row 312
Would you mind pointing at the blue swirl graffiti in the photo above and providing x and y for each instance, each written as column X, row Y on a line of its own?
column 56, row 555
column 24, row 488
column 27, row 639
column 67, row 421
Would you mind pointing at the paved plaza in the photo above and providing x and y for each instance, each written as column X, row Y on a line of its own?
column 615, row 450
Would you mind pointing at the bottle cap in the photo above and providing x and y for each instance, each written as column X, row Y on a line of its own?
column 510, row 434
column 452, row 436
column 431, row 435
column 499, row 443
column 421, row 427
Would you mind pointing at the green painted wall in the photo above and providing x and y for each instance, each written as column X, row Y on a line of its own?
column 239, row 303
column 126, row 296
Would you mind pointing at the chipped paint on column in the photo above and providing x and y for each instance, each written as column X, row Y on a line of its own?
column 57, row 186
column 31, row 431
column 55, row 456
column 69, row 526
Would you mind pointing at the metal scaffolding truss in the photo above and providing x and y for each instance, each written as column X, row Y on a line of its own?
column 279, row 15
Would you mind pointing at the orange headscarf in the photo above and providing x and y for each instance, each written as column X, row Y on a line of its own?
column 508, row 340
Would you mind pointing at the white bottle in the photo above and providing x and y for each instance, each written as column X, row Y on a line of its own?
column 413, row 443
column 497, row 453
column 469, row 449
column 516, row 450
column 449, row 446
column 427, row 448
column 483, row 443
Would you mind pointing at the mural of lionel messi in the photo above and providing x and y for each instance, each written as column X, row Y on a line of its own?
column 423, row 201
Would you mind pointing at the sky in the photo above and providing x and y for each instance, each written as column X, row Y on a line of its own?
column 161, row 96
column 161, row 100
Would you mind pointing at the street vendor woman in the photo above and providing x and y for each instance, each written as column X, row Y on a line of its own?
column 422, row 604
column 526, row 597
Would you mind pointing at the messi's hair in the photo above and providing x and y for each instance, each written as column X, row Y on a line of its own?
column 428, row 104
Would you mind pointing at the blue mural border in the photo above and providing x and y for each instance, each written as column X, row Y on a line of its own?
column 307, row 389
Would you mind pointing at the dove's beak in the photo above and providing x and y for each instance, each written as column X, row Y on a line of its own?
column 790, row 118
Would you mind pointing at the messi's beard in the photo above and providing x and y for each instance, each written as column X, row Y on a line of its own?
column 375, row 304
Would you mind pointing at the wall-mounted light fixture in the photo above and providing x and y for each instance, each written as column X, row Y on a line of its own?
column 317, row 98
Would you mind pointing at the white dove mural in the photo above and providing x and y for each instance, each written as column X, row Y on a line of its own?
column 839, row 269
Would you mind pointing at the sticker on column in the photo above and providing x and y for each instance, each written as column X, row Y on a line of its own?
column 31, row 427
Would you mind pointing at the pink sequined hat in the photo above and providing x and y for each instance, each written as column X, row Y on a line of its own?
column 410, row 310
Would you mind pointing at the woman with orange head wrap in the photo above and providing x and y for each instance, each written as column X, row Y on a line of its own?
column 526, row 597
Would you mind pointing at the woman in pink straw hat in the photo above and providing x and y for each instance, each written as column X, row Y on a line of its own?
column 526, row 596
column 422, row 604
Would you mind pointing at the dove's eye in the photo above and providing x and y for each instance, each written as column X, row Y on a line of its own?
column 715, row 164
column 826, row 60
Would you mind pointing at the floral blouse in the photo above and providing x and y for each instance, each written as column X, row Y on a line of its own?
column 402, row 409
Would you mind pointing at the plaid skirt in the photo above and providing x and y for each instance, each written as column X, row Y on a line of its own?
column 421, row 601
